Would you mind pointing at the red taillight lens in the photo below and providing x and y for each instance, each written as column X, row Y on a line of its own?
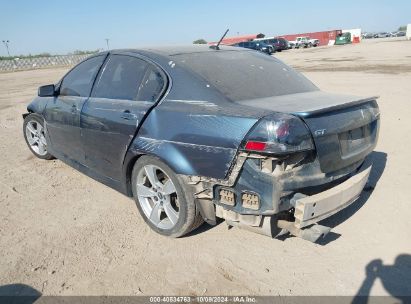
column 282, row 130
column 279, row 133
column 255, row 146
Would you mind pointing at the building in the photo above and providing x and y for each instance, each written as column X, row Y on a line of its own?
column 325, row 37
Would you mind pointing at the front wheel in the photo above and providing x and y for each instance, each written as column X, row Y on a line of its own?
column 33, row 130
column 162, row 198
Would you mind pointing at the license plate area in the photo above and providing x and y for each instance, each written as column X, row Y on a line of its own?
column 356, row 140
column 336, row 147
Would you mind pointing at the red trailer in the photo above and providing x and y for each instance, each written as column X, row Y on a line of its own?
column 324, row 37
column 238, row 39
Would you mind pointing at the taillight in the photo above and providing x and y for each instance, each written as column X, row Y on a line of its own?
column 255, row 145
column 279, row 134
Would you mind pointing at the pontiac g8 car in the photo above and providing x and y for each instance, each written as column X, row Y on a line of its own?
column 194, row 133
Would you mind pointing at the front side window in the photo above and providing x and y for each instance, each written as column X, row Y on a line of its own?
column 121, row 78
column 78, row 81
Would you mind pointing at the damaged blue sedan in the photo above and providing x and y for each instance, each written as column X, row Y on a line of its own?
column 195, row 134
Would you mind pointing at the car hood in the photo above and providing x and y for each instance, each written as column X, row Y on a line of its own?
column 306, row 104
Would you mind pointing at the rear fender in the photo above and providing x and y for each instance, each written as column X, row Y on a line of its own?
column 193, row 137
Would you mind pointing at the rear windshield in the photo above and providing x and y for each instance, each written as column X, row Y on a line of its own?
column 242, row 75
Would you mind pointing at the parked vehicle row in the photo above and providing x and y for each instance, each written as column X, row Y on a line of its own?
column 278, row 44
column 383, row 34
column 256, row 45
column 271, row 45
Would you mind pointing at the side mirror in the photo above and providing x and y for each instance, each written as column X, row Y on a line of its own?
column 47, row 90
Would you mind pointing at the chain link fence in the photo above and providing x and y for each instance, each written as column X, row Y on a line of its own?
column 18, row 64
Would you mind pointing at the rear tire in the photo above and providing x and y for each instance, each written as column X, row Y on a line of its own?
column 162, row 198
column 34, row 134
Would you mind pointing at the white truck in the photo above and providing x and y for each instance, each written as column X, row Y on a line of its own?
column 304, row 42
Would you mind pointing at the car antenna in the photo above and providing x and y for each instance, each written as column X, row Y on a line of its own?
column 217, row 47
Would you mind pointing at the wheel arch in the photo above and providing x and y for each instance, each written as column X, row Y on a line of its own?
column 128, row 165
column 206, row 210
column 171, row 157
column 38, row 105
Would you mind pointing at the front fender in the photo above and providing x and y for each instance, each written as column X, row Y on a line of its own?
column 38, row 105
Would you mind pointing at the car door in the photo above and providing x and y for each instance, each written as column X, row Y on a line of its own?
column 62, row 115
column 125, row 90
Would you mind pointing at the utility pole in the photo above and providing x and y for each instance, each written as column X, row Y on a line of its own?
column 6, row 43
column 107, row 40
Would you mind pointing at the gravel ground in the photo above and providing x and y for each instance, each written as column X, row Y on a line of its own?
column 63, row 233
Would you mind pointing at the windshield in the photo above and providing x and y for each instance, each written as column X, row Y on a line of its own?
column 243, row 75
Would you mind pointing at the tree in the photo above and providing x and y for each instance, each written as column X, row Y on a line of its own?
column 86, row 52
column 200, row 41
column 402, row 28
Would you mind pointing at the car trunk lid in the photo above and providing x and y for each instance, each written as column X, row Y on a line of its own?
column 344, row 127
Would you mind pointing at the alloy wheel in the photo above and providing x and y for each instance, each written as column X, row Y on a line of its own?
column 157, row 196
column 35, row 137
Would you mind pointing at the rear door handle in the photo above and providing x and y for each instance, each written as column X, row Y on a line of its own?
column 73, row 109
column 127, row 115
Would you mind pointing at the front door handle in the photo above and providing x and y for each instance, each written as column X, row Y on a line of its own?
column 127, row 115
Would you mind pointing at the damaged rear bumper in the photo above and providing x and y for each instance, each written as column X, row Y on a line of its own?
column 311, row 209
column 274, row 196
column 308, row 210
column 288, row 198
column 314, row 208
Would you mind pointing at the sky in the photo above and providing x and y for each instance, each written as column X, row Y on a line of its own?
column 59, row 27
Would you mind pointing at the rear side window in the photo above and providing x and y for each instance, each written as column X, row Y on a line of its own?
column 152, row 85
column 121, row 78
column 78, row 81
column 243, row 75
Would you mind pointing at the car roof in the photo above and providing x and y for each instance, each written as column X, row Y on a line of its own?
column 179, row 50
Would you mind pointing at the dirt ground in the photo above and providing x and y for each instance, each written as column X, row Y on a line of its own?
column 63, row 233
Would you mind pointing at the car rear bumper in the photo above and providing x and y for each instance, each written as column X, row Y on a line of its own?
column 311, row 209
column 301, row 213
column 277, row 188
